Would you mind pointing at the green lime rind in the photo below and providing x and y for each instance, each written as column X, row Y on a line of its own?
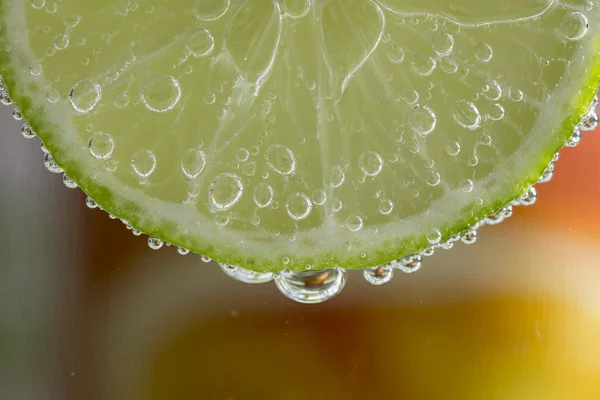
column 497, row 195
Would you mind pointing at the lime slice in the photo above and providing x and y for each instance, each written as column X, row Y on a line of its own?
column 299, row 134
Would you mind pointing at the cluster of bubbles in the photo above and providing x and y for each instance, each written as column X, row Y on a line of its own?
column 311, row 286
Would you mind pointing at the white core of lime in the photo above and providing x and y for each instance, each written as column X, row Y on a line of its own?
column 302, row 134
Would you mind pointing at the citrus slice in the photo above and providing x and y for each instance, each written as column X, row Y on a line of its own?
column 302, row 134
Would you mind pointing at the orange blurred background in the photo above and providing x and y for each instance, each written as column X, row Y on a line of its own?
column 88, row 311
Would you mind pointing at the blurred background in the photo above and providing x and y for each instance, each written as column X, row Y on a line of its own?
column 88, row 311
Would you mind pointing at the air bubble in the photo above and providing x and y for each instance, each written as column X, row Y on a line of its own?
column 60, row 41
column 263, row 195
column 386, row 206
column 161, row 93
column 200, row 42
column 298, row 206
column 143, row 163
column 193, row 163
column 379, row 275
column 466, row 114
column 396, row 54
column 155, row 243
column 336, row 176
column 574, row 26
column 246, row 276
column 242, row 155
column 423, row 65
column 210, row 10
column 442, row 43
column 225, row 191
column 453, row 148
column 84, row 96
column 371, row 163
column 354, row 223
column 422, row 120
column 281, row 159
column 311, row 287
column 319, row 197
column 433, row 178
column 38, row 4
column 483, row 52
column 35, row 69
column 101, row 145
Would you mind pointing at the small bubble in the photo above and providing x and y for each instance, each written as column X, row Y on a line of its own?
column 496, row 112
column 143, row 163
column 442, row 43
column 396, row 54
column 161, row 93
column 354, row 223
column 449, row 65
column 35, row 69
column 516, row 95
column 574, row 26
column 467, row 186
column 71, row 21
column 491, row 90
column 263, row 195
column 466, row 114
column 336, row 205
column 155, row 243
column 37, row 4
column 483, row 52
column 242, row 154
column 84, row 96
column 53, row 96
column 319, row 197
column 433, row 178
column 336, row 176
column 434, row 236
column 423, row 65
column 281, row 159
column 453, row 148
column 211, row 10
column 298, row 206
column 422, row 120
column 60, row 41
column 193, row 163
column 200, row 42
column 371, row 163
column 51, row 8
column 210, row 98
column 225, row 191
column 101, row 145
column 386, row 206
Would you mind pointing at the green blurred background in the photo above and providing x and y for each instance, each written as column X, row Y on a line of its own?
column 88, row 311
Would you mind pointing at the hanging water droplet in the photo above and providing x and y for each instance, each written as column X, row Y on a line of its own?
column 371, row 163
column 27, row 131
column 90, row 203
column 182, row 251
column 298, row 206
column 17, row 114
column 379, row 275
column 547, row 174
column 466, row 114
column 193, row 163
column 68, row 182
column 225, row 191
column 161, row 93
column 434, row 236
column 428, row 251
column 143, row 163
column 205, row 259
column 529, row 197
column 263, row 195
column 589, row 121
column 200, row 42
column 155, row 243
column 246, row 276
column 410, row 264
column 84, row 95
column 311, row 287
column 422, row 120
column 51, row 165
column 469, row 237
column 101, row 145
column 281, row 159
column 5, row 98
